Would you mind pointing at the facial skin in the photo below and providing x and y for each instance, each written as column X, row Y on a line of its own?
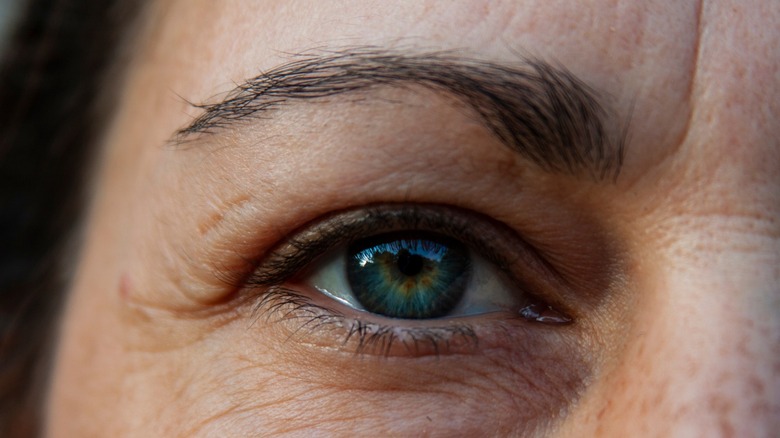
column 670, row 271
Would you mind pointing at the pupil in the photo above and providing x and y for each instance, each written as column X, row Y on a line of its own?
column 409, row 264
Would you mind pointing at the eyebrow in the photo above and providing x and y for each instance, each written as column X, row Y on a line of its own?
column 541, row 111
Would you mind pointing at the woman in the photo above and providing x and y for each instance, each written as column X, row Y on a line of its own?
column 428, row 218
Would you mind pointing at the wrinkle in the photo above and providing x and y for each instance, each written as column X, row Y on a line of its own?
column 691, row 88
column 669, row 150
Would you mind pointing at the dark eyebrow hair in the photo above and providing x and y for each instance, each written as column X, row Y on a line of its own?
column 543, row 112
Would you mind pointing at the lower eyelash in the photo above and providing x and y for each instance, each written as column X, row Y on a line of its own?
column 284, row 304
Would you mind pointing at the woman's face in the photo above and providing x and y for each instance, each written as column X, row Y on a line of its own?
column 434, row 218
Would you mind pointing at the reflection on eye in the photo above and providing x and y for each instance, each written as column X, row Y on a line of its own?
column 403, row 273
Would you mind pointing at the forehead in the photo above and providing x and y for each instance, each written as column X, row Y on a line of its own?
column 634, row 53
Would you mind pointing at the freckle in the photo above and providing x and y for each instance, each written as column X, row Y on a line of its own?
column 125, row 286
column 756, row 385
column 722, row 408
column 211, row 221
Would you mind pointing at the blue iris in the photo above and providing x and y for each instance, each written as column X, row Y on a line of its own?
column 412, row 277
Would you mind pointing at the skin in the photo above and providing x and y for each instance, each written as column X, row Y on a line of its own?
column 683, row 340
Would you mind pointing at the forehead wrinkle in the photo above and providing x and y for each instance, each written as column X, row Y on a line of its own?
column 541, row 111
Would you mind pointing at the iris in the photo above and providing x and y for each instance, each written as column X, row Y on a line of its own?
column 413, row 277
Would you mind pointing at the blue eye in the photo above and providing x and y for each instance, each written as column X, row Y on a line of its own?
column 413, row 275
column 408, row 277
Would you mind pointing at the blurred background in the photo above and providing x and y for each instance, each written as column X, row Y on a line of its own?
column 8, row 9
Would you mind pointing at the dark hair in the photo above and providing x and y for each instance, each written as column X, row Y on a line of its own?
column 50, row 91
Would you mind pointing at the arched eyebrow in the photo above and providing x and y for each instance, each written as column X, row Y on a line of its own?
column 543, row 112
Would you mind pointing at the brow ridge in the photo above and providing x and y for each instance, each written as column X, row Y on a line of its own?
column 539, row 110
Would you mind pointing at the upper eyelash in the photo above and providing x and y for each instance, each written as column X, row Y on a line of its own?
column 297, row 252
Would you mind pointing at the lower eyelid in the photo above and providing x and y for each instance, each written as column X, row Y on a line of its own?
column 310, row 319
column 316, row 323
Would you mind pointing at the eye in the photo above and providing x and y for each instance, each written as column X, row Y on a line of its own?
column 413, row 275
column 404, row 273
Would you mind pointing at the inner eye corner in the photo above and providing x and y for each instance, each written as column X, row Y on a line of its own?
column 546, row 314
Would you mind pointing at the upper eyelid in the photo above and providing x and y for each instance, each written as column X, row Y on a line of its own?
column 296, row 251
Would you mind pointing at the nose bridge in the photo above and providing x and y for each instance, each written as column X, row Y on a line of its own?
column 702, row 356
column 715, row 334
column 703, row 353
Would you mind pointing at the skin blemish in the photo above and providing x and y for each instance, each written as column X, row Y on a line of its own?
column 125, row 287
column 218, row 214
